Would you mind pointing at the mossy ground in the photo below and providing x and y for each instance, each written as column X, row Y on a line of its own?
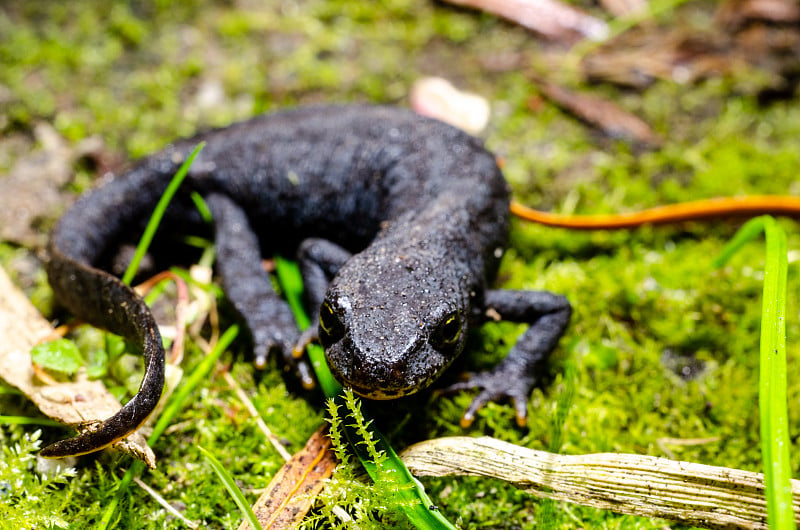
column 140, row 74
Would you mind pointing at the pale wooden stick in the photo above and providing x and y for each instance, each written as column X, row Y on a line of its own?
column 694, row 494
column 166, row 505
column 251, row 408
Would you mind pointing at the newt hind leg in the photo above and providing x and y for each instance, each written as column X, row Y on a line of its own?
column 516, row 375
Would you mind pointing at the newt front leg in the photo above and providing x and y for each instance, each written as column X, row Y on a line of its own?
column 516, row 375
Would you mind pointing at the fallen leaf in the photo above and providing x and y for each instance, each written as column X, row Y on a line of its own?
column 638, row 57
column 748, row 44
column 78, row 404
column 736, row 13
column 292, row 490
column 601, row 113
column 549, row 18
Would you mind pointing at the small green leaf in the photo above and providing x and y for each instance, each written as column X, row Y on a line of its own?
column 60, row 355
column 98, row 364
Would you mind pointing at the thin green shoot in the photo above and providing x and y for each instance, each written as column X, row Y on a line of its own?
column 291, row 282
column 158, row 214
column 233, row 489
column 376, row 455
column 177, row 400
column 25, row 420
column 772, row 369
column 9, row 390
column 202, row 207
column 62, row 353
column 749, row 231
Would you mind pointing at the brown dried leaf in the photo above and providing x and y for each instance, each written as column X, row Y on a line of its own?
column 291, row 492
column 80, row 404
column 550, row 18
column 744, row 38
column 601, row 113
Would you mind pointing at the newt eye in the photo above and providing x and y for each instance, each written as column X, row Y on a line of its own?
column 448, row 331
column 330, row 325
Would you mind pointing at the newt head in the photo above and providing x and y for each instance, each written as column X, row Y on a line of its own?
column 389, row 326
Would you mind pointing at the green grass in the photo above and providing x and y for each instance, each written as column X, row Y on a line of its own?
column 772, row 369
column 131, row 74
column 233, row 489
column 158, row 213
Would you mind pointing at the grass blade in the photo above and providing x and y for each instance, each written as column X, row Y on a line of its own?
column 772, row 382
column 233, row 489
column 158, row 214
column 749, row 231
column 291, row 282
column 772, row 369
column 25, row 420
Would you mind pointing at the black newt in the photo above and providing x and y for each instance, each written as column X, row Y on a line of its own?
column 398, row 221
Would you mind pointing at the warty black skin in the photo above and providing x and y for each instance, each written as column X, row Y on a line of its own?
column 398, row 221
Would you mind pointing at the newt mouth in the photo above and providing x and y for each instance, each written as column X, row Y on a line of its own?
column 382, row 394
column 379, row 394
column 371, row 380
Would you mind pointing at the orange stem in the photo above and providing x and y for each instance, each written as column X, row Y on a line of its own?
column 673, row 213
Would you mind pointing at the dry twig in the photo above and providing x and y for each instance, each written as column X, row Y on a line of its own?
column 694, row 494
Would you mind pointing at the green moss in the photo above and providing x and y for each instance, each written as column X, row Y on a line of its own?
column 28, row 494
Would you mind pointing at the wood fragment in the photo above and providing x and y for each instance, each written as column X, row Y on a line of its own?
column 164, row 504
column 549, row 18
column 604, row 114
column 693, row 494
column 436, row 97
column 80, row 404
column 622, row 8
column 292, row 490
